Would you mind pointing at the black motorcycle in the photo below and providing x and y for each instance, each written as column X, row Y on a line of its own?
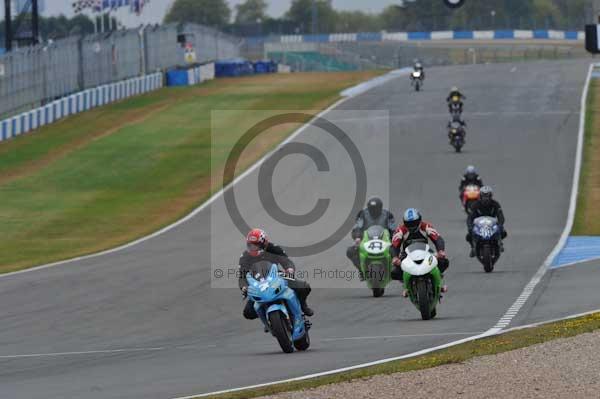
column 488, row 241
column 456, row 134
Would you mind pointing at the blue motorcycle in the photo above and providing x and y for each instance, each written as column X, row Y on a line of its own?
column 279, row 309
column 488, row 241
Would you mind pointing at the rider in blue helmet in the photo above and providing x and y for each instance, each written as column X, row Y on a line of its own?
column 415, row 229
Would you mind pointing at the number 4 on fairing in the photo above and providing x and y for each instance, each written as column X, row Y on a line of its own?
column 454, row 3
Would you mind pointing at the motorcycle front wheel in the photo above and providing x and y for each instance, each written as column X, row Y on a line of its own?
column 487, row 259
column 424, row 298
column 282, row 330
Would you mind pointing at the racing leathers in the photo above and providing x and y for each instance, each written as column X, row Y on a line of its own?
column 450, row 97
column 489, row 208
column 403, row 237
column 364, row 220
column 468, row 180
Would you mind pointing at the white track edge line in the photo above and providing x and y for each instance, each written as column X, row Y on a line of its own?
column 407, row 356
column 201, row 206
column 527, row 291
column 537, row 277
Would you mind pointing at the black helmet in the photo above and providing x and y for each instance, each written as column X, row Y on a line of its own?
column 471, row 172
column 412, row 219
column 486, row 193
column 375, row 206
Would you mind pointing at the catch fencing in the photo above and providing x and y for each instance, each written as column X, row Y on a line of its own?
column 33, row 76
column 369, row 56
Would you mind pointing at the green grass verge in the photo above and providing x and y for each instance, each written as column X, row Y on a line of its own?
column 587, row 216
column 113, row 174
column 456, row 354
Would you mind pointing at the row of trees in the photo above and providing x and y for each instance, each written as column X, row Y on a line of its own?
column 319, row 16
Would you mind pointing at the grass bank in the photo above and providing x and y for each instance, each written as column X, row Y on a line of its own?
column 587, row 217
column 113, row 174
column 456, row 354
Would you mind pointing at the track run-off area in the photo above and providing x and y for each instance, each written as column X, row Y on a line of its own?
column 144, row 322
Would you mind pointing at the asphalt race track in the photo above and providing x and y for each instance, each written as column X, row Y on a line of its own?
column 145, row 323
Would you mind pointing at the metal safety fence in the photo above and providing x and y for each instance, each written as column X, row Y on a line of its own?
column 33, row 76
column 381, row 55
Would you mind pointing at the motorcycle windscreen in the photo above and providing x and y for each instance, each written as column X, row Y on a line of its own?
column 261, row 269
column 417, row 246
column 375, row 232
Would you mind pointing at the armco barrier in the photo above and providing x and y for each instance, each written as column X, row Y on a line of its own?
column 76, row 103
column 442, row 35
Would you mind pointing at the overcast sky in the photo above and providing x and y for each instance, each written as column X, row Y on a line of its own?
column 156, row 9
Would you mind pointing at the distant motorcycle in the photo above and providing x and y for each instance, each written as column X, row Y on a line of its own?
column 456, row 107
column 469, row 196
column 279, row 308
column 422, row 279
column 416, row 79
column 487, row 241
column 456, row 134
column 375, row 259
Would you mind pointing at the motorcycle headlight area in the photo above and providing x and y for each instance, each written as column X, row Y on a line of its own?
column 454, row 3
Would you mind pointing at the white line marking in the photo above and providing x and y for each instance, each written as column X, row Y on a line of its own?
column 407, row 356
column 499, row 327
column 528, row 290
column 200, row 208
column 395, row 336
column 107, row 351
column 98, row 352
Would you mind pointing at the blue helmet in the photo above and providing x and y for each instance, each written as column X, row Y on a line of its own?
column 412, row 219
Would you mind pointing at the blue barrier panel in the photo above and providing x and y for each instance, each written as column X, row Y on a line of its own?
column 571, row 35
column 4, row 130
column 541, row 34
column 231, row 68
column 14, row 126
column 316, row 38
column 369, row 37
column 265, row 66
column 504, row 34
column 419, row 35
column 177, row 77
column 463, row 34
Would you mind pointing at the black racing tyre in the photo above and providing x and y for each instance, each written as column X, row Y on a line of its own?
column 281, row 329
column 378, row 292
column 487, row 259
column 303, row 343
column 424, row 298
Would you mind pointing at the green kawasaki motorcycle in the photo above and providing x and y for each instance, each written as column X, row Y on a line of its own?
column 422, row 278
column 375, row 259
